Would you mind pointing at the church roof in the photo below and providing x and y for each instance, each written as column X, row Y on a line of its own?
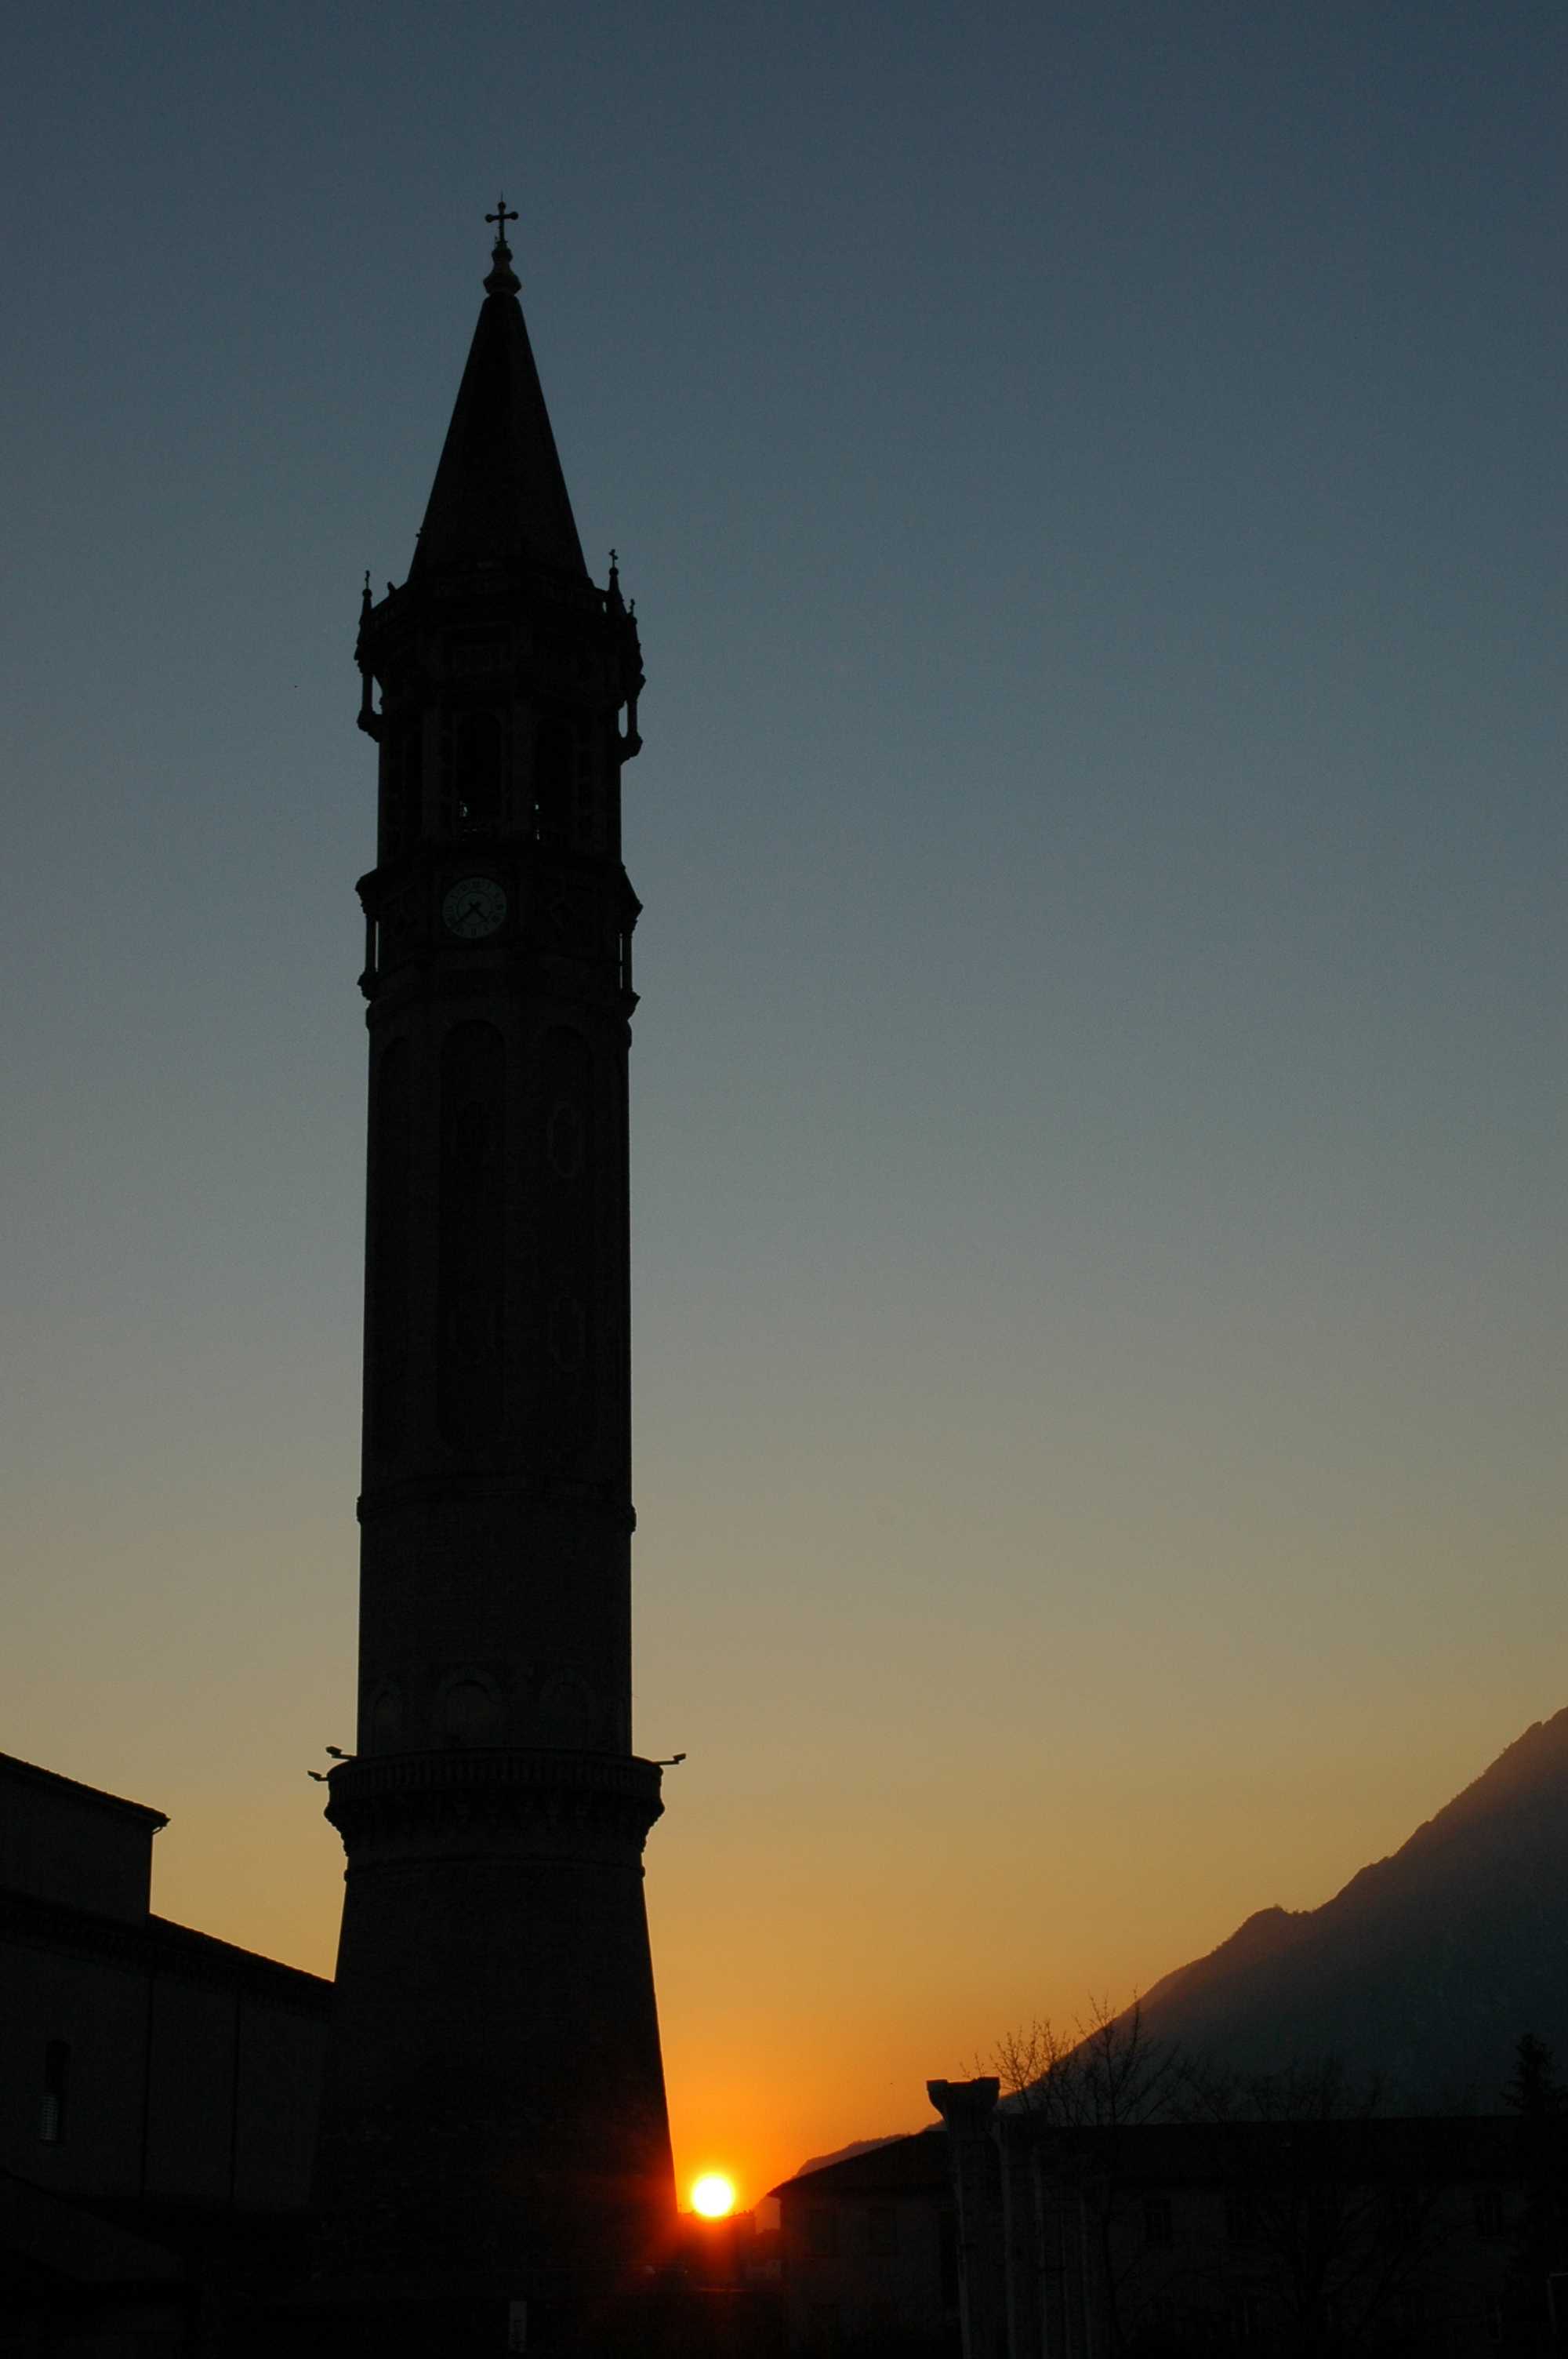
column 916, row 2165
column 157, row 1943
column 27, row 1773
column 499, row 495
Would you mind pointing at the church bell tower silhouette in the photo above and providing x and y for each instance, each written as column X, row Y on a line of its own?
column 494, row 2121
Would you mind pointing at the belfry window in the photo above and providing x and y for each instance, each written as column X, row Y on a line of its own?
column 587, row 819
column 476, row 773
column 568, row 806
column 555, row 768
column 52, row 2102
column 401, row 752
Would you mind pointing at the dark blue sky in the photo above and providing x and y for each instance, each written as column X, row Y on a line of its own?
column 1092, row 480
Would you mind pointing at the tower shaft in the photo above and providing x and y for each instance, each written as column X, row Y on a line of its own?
column 494, row 2113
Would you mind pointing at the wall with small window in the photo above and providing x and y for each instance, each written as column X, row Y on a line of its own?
column 139, row 2058
column 55, row 2094
column 866, row 2265
column 138, row 2075
column 72, row 2036
column 1159, row 2221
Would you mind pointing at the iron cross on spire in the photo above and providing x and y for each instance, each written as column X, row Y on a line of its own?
column 501, row 217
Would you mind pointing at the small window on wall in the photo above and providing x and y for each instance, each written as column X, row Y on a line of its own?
column 52, row 2104
column 1241, row 2218
column 1159, row 2224
column 1247, row 2319
column 882, row 2230
column 822, row 2233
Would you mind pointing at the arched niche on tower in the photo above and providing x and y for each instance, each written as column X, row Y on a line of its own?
column 468, row 1708
column 472, row 1251
column 383, row 1727
column 388, row 1249
column 565, row 1183
column 569, row 1712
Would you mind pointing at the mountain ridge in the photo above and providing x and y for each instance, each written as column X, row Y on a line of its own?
column 1425, row 1967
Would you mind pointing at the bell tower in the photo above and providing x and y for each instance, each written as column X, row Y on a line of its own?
column 494, row 2114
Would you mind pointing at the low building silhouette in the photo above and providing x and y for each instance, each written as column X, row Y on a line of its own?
column 868, row 2253
column 161, row 2088
column 1168, row 2239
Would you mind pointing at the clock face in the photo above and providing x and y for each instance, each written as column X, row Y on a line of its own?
column 476, row 905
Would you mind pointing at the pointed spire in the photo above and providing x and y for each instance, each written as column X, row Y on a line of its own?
column 499, row 494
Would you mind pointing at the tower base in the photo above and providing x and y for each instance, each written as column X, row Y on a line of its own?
column 494, row 2120
column 669, row 2319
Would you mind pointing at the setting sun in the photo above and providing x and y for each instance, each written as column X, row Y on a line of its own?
column 713, row 2195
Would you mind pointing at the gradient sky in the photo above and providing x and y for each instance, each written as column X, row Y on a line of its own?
column 1091, row 476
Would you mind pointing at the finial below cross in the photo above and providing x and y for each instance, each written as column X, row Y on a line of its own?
column 501, row 217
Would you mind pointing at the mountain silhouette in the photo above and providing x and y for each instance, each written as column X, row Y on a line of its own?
column 1427, row 1966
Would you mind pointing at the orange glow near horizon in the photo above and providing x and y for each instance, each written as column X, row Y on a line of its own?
column 807, row 2042
column 713, row 2195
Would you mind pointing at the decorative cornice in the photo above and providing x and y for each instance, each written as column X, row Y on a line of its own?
column 495, row 1803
